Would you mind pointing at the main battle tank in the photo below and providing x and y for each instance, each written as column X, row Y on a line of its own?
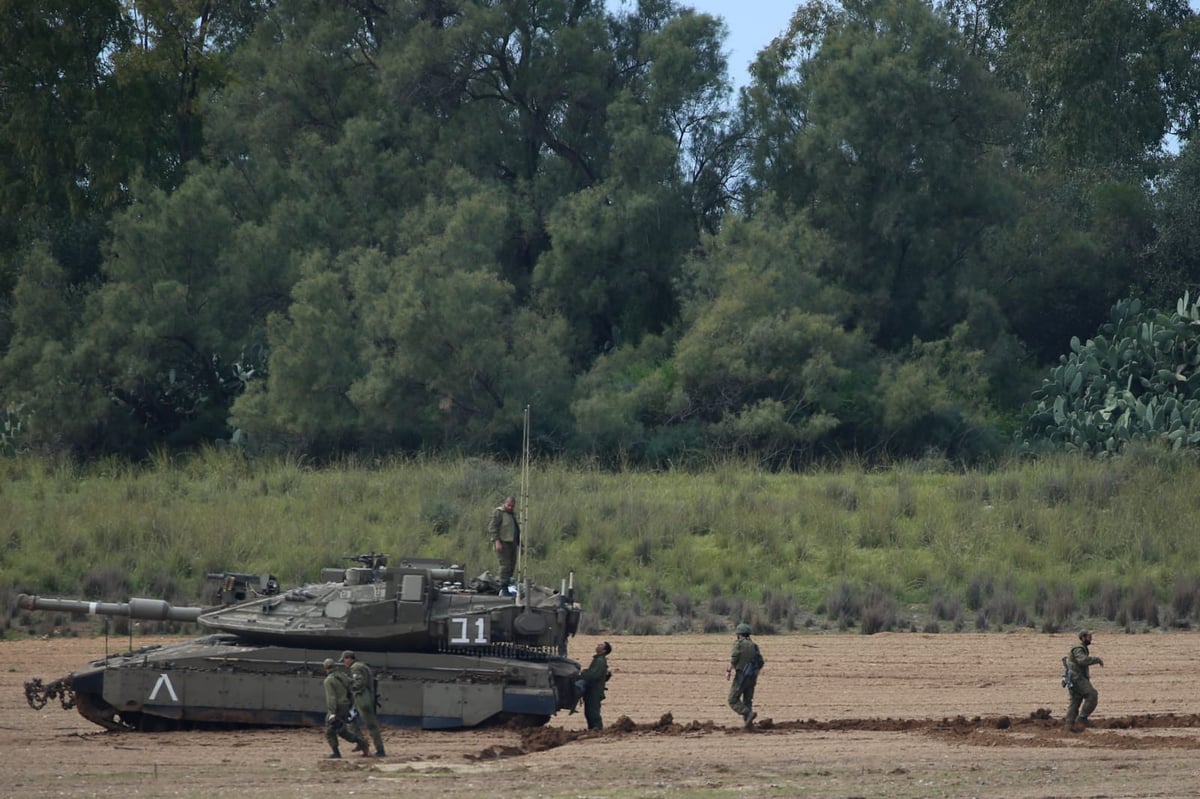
column 445, row 655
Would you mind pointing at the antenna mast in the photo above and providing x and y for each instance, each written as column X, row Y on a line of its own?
column 523, row 516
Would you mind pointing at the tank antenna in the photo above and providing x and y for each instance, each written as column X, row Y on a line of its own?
column 522, row 582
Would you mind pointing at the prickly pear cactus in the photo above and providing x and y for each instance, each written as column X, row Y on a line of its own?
column 1137, row 379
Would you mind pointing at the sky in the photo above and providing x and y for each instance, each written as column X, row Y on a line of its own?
column 752, row 25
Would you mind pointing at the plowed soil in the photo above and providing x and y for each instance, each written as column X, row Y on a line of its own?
column 893, row 715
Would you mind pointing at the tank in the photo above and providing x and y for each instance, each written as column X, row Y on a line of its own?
column 445, row 654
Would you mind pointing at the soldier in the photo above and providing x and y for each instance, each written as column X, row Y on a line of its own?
column 506, row 535
column 362, row 689
column 744, row 663
column 337, row 709
column 594, row 679
column 1079, row 685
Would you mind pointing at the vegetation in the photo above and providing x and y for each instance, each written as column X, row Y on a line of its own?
column 279, row 277
column 377, row 229
column 1138, row 379
column 1047, row 543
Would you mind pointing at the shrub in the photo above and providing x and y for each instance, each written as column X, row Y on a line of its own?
column 1055, row 603
column 779, row 607
column 604, row 602
column 878, row 613
column 1141, row 604
column 841, row 496
column 1005, row 608
column 714, row 624
column 945, row 607
column 979, row 590
column 105, row 582
column 1185, row 598
column 1106, row 600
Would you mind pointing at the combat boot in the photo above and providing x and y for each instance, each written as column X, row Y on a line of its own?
column 750, row 717
column 334, row 755
column 379, row 753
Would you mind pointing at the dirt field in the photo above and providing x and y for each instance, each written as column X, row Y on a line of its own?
column 897, row 715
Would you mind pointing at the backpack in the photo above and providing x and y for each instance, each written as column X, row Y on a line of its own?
column 756, row 663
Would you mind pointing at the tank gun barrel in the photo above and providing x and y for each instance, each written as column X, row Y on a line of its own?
column 136, row 608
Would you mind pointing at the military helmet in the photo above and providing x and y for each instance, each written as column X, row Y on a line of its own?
column 348, row 654
column 743, row 629
column 329, row 663
column 1084, row 634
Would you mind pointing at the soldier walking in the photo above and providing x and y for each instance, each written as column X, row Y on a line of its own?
column 362, row 690
column 744, row 664
column 337, row 711
column 1079, row 685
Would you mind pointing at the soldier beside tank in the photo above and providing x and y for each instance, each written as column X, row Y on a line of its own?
column 362, row 689
column 595, row 678
column 337, row 711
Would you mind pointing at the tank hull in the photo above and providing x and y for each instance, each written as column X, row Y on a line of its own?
column 223, row 681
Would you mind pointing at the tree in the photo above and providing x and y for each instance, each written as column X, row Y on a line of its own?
column 53, row 188
column 1176, row 249
column 763, row 366
column 877, row 121
column 1106, row 79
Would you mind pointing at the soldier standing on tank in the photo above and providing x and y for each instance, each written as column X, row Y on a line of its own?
column 506, row 536
column 595, row 677
column 1081, row 690
column 362, row 689
column 741, row 692
column 337, row 711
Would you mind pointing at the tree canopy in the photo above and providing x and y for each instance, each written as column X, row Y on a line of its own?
column 391, row 226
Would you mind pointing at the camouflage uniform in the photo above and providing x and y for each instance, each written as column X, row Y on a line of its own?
column 1082, row 692
column 362, row 688
column 741, row 692
column 504, row 529
column 337, row 710
column 594, row 677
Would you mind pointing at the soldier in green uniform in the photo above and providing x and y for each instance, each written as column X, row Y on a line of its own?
column 362, row 690
column 744, row 675
column 1083, row 695
column 337, row 709
column 506, row 535
column 594, row 678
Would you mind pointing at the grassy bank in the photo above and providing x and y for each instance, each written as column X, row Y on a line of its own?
column 1043, row 543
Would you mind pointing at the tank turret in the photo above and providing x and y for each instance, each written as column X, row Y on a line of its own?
column 445, row 653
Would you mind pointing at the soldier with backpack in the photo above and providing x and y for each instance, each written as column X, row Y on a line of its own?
column 1083, row 696
column 362, row 692
column 745, row 662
